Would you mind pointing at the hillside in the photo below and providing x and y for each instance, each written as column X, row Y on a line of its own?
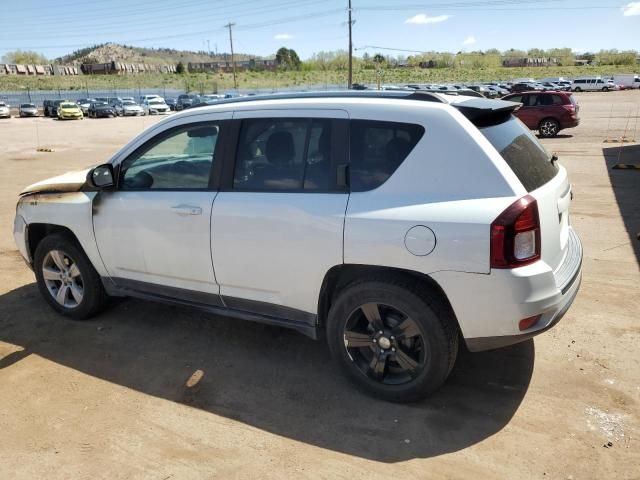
column 123, row 53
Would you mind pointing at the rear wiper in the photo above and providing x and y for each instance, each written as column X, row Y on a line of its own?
column 554, row 158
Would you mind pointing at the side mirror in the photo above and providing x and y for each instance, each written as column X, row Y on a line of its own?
column 101, row 177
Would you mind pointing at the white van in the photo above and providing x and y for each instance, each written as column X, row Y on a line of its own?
column 627, row 80
column 591, row 84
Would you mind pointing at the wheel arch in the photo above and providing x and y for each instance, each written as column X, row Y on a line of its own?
column 340, row 276
column 36, row 232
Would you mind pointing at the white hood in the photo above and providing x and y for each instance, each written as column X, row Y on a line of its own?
column 68, row 182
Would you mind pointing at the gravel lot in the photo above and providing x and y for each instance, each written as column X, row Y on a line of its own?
column 111, row 397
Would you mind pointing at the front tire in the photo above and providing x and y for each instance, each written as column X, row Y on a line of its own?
column 391, row 339
column 66, row 279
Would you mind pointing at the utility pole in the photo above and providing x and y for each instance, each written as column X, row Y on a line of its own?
column 350, row 51
column 208, row 48
column 233, row 61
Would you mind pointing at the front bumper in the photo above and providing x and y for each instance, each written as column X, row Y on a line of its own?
column 20, row 237
column 490, row 307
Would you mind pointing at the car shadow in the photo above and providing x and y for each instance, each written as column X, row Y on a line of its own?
column 266, row 377
column 626, row 187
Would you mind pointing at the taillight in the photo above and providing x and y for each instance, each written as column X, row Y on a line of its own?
column 515, row 235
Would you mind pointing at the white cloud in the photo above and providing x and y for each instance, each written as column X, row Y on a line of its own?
column 631, row 9
column 470, row 40
column 424, row 19
column 282, row 36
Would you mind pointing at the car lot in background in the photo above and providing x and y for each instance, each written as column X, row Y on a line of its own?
column 28, row 110
column 545, row 406
column 5, row 110
column 547, row 112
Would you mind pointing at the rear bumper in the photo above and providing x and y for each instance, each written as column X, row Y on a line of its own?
column 490, row 307
column 570, row 123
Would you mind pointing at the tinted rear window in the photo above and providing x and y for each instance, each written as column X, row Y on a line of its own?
column 523, row 153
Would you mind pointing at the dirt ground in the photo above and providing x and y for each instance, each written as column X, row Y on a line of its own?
column 111, row 397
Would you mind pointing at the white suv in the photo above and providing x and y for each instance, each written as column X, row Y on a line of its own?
column 393, row 223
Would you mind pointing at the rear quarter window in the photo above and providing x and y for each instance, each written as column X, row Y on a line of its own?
column 522, row 151
column 377, row 149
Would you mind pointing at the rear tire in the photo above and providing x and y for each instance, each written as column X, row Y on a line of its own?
column 66, row 278
column 548, row 128
column 578, row 89
column 393, row 339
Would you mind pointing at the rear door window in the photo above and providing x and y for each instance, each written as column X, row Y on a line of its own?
column 285, row 154
column 377, row 149
column 523, row 153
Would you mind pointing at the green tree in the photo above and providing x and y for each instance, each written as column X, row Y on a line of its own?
column 180, row 68
column 379, row 58
column 25, row 57
column 288, row 59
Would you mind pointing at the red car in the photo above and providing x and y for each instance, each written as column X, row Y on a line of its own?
column 547, row 112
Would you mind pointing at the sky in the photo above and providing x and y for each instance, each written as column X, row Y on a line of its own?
column 57, row 27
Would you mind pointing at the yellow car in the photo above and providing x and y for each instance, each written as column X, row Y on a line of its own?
column 69, row 110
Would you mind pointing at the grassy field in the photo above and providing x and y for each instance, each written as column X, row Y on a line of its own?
column 211, row 82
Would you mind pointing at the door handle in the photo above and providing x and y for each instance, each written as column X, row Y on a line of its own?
column 184, row 210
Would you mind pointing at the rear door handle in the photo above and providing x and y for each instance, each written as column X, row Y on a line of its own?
column 184, row 210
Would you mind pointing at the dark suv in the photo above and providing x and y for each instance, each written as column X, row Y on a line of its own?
column 547, row 112
column 186, row 101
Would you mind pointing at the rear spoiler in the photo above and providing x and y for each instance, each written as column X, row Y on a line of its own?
column 484, row 112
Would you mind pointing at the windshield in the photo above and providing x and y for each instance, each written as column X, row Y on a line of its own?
column 129, row 103
column 69, row 105
column 522, row 151
column 156, row 102
column 27, row 105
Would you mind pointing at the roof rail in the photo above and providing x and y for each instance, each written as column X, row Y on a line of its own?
column 399, row 94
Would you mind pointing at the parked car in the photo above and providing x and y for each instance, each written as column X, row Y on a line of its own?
column 185, row 101
column 627, row 80
column 5, row 110
column 84, row 104
column 127, row 108
column 28, row 110
column 546, row 112
column 487, row 92
column 50, row 107
column 46, row 104
column 393, row 260
column 155, row 106
column 590, row 84
column 143, row 98
column 171, row 102
column 500, row 92
column 526, row 87
column 100, row 109
column 69, row 110
column 551, row 86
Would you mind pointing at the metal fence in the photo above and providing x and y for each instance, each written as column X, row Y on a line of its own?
column 16, row 98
